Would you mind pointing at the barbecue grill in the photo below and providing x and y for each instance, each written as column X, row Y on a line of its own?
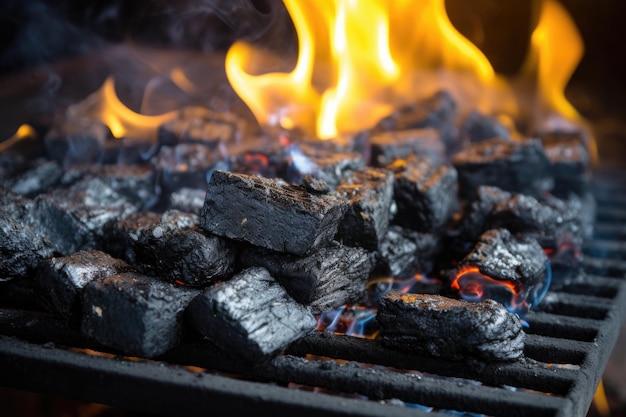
column 569, row 339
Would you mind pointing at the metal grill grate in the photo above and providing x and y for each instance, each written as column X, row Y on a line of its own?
column 568, row 343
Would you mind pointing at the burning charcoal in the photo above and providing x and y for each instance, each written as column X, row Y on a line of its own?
column 425, row 193
column 185, row 165
column 59, row 281
column 191, row 257
column 251, row 315
column 197, row 125
column 570, row 162
column 404, row 253
column 515, row 166
column 388, row 146
column 77, row 140
column 327, row 278
column 327, row 163
column 438, row 112
column 268, row 161
column 370, row 193
column 513, row 271
column 478, row 127
column 119, row 237
column 266, row 213
column 449, row 328
column 476, row 213
column 73, row 218
column 135, row 314
column 22, row 243
column 189, row 200
column 39, row 178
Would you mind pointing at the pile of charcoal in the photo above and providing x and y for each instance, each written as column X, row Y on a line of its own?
column 131, row 241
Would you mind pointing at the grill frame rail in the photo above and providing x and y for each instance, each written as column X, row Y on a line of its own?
column 577, row 324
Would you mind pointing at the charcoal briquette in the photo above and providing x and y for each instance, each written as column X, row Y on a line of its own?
column 479, row 126
column 121, row 235
column 326, row 278
column 250, row 314
column 270, row 214
column 449, row 328
column 476, row 212
column 323, row 162
column 570, row 161
column 41, row 176
column 196, row 125
column 185, row 165
column 135, row 314
column 388, row 146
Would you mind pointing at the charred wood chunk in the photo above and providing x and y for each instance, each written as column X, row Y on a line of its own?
column 323, row 162
column 326, row 278
column 570, row 159
column 73, row 218
column 120, row 236
column 509, row 269
column 404, row 253
column 478, row 127
column 515, row 166
column 134, row 313
column 251, row 315
column 41, row 176
column 59, row 281
column 191, row 257
column 188, row 199
column 370, row 194
column 269, row 214
column 477, row 212
column 22, row 243
column 438, row 112
column 185, row 165
column 197, row 125
column 388, row 146
column 449, row 328
column 425, row 193
column 77, row 140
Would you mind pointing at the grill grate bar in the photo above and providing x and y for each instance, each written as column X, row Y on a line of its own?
column 556, row 350
column 574, row 328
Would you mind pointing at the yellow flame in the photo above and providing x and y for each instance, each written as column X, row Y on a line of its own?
column 22, row 132
column 357, row 61
column 600, row 401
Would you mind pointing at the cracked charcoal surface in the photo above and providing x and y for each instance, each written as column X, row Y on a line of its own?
column 251, row 315
column 449, row 328
column 266, row 213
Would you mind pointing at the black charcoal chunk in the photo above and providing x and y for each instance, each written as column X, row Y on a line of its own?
column 331, row 164
column 59, row 281
column 76, row 139
column 315, row 185
column 40, row 177
column 449, row 328
column 478, row 127
column 23, row 242
column 519, row 166
column 251, row 315
column 477, row 212
column 388, row 146
column 438, row 112
column 425, row 193
column 327, row 278
column 134, row 313
column 270, row 161
column 269, row 214
column 370, row 194
column 74, row 218
column 185, row 165
column 198, row 125
column 189, row 257
column 404, row 253
column 188, row 199
column 570, row 160
column 120, row 236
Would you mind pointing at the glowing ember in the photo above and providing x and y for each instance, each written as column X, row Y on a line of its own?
column 402, row 51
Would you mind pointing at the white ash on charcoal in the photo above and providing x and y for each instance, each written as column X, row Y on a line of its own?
column 438, row 111
column 136, row 183
column 404, row 253
column 388, row 146
column 198, row 125
column 251, row 315
column 40, row 176
column 370, row 194
column 187, row 199
column 570, row 159
column 425, row 193
column 513, row 270
column 58, row 282
column 135, row 314
column 519, row 166
column 449, row 328
column 326, row 278
column 73, row 218
column 478, row 127
column 268, row 213
column 23, row 242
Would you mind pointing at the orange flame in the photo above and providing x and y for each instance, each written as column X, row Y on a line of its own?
column 473, row 284
column 105, row 106
column 23, row 132
column 357, row 61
